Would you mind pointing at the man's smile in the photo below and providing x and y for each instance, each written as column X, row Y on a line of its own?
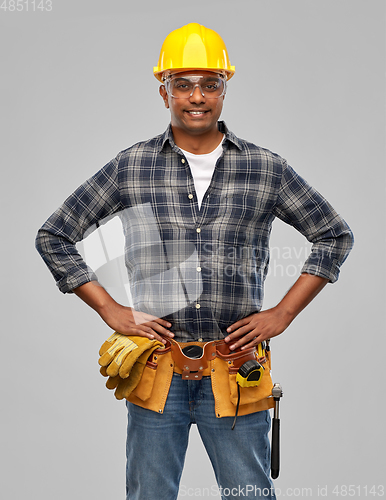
column 197, row 112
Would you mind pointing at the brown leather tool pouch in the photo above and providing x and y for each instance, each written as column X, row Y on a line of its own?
column 153, row 388
column 154, row 385
column 224, row 369
column 146, row 384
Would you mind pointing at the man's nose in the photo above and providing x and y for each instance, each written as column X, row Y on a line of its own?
column 197, row 95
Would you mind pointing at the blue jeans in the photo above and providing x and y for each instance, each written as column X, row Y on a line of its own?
column 157, row 443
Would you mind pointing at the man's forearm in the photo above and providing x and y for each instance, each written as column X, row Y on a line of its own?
column 93, row 294
column 304, row 290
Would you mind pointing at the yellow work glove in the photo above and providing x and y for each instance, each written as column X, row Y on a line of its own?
column 125, row 386
column 120, row 352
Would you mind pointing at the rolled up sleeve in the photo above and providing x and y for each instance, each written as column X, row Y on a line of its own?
column 56, row 240
column 301, row 206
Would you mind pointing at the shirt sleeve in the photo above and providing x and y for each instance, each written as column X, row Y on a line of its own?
column 301, row 206
column 56, row 240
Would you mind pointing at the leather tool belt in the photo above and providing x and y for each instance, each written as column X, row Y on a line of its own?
column 212, row 359
column 192, row 359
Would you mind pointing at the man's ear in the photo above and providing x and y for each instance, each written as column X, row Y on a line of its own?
column 164, row 95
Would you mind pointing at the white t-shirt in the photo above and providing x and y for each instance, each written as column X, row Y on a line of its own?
column 202, row 168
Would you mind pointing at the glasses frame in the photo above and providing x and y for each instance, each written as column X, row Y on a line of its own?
column 169, row 78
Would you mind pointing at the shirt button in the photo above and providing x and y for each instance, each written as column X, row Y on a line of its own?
column 199, row 269
column 198, row 230
column 190, row 196
column 182, row 161
column 198, row 306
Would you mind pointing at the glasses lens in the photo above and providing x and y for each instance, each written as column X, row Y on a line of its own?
column 183, row 87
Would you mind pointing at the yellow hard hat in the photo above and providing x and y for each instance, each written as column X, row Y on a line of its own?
column 193, row 47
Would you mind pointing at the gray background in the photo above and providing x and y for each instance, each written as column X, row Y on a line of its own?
column 76, row 88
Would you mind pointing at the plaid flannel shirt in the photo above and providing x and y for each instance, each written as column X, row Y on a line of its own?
column 217, row 254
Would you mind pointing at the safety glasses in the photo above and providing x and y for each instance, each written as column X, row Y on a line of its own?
column 183, row 87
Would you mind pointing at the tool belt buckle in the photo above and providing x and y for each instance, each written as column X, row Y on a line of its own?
column 191, row 359
column 189, row 374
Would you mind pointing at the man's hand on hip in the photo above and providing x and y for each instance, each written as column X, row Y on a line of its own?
column 128, row 321
column 253, row 329
column 122, row 319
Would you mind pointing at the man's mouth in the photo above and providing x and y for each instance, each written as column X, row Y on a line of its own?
column 197, row 112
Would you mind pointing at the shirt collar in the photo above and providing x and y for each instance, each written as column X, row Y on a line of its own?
column 167, row 136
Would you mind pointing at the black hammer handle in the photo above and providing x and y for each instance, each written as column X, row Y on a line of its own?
column 275, row 452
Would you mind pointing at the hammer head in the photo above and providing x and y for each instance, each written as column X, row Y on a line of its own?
column 277, row 391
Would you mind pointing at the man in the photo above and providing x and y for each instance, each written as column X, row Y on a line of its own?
column 212, row 198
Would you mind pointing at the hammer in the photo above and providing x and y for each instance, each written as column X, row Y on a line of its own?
column 277, row 393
